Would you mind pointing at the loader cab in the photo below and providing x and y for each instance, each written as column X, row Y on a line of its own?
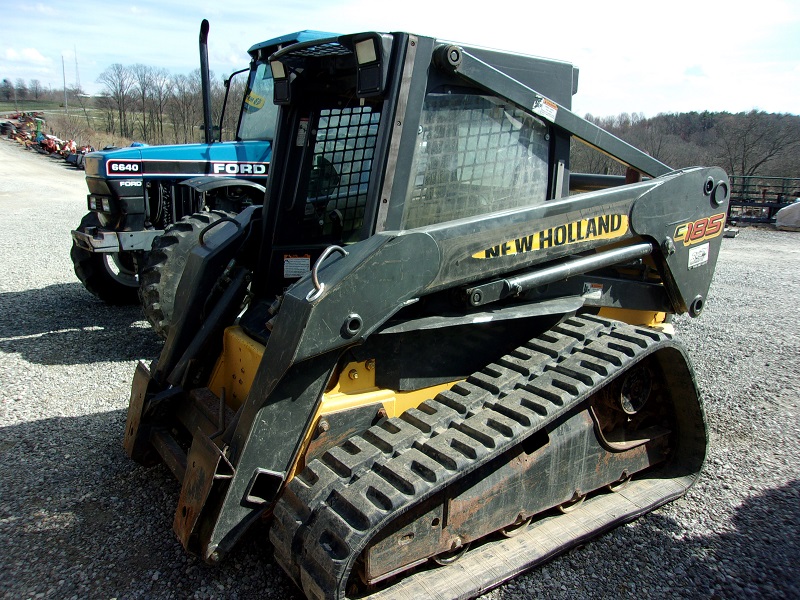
column 377, row 132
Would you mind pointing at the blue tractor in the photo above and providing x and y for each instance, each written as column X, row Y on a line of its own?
column 148, row 204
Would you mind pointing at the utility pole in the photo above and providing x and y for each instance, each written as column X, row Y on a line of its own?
column 64, row 75
column 77, row 75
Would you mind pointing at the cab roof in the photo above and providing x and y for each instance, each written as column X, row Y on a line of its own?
column 305, row 35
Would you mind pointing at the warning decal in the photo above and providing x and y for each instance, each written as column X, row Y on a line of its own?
column 545, row 108
column 296, row 266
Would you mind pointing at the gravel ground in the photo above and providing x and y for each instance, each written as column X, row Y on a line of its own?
column 78, row 519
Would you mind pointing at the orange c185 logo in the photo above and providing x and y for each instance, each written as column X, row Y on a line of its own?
column 700, row 230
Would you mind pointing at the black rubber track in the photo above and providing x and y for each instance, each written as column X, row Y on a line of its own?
column 330, row 512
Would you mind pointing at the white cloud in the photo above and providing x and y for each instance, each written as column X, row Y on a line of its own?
column 26, row 55
column 45, row 10
column 33, row 55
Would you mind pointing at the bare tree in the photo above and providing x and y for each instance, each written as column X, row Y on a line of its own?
column 106, row 104
column 7, row 90
column 21, row 89
column 118, row 83
column 748, row 141
column 195, row 116
column 143, row 80
column 35, row 87
column 184, row 108
column 161, row 88
column 69, row 127
column 81, row 98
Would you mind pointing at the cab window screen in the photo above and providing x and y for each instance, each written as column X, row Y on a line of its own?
column 344, row 149
column 474, row 155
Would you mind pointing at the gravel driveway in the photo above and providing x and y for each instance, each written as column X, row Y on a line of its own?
column 78, row 519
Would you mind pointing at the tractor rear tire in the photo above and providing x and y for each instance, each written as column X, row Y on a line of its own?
column 111, row 276
column 163, row 269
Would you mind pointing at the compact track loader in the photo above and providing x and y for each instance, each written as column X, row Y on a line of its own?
column 433, row 358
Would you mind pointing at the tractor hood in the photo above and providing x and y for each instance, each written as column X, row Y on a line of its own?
column 241, row 159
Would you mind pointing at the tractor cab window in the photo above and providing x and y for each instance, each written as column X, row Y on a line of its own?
column 474, row 155
column 259, row 114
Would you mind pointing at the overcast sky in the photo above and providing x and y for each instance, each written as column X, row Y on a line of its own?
column 634, row 56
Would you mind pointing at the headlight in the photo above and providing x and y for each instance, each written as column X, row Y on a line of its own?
column 92, row 204
column 106, row 205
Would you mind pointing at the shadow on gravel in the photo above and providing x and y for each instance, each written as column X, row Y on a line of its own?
column 758, row 557
column 61, row 162
column 80, row 519
column 762, row 555
column 63, row 324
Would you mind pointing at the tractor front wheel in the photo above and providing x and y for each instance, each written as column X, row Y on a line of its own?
column 111, row 276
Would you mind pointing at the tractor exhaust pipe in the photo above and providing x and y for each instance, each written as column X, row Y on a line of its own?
column 205, row 77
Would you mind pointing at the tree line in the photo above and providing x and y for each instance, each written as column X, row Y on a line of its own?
column 11, row 91
column 147, row 104
column 152, row 106
column 744, row 144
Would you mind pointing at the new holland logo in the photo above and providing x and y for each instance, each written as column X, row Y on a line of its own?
column 604, row 227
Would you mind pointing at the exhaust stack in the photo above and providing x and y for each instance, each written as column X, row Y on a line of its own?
column 206, row 82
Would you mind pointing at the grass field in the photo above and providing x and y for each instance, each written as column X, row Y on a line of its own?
column 32, row 106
